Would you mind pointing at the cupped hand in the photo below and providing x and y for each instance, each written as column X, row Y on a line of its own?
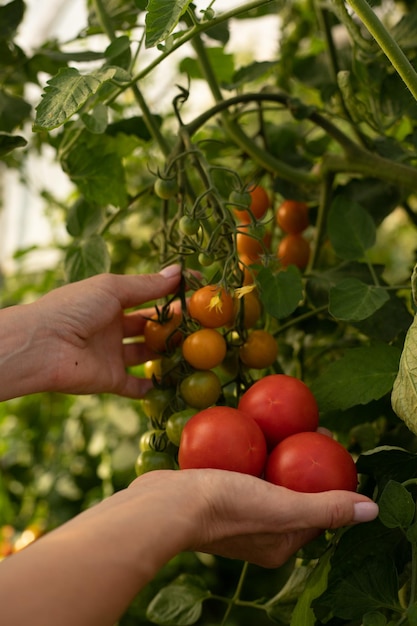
column 243, row 517
column 88, row 326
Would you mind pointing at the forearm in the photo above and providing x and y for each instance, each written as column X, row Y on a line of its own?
column 88, row 571
column 23, row 350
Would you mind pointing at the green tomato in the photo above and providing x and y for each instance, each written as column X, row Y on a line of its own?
column 201, row 389
column 205, row 259
column 153, row 439
column 150, row 460
column 188, row 225
column 166, row 188
column 175, row 424
column 156, row 401
column 240, row 199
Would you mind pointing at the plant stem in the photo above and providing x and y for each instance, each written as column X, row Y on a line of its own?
column 387, row 44
column 237, row 593
column 104, row 19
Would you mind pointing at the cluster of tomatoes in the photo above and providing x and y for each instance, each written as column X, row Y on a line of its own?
column 272, row 434
column 214, row 340
column 253, row 239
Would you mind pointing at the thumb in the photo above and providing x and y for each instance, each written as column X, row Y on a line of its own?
column 334, row 509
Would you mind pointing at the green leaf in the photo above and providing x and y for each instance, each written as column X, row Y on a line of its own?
column 95, row 165
column 180, row 603
column 84, row 219
column 66, row 93
column 374, row 618
column 161, row 19
column 281, row 292
column 361, row 375
column 351, row 229
column 222, row 64
column 10, row 17
column 315, row 586
column 404, row 392
column 387, row 463
column 396, row 506
column 281, row 606
column 370, row 587
column 354, row 300
column 96, row 121
column 87, row 257
column 10, row 142
column 13, row 111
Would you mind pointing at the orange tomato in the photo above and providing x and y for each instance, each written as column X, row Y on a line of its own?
column 292, row 216
column 259, row 205
column 204, row 349
column 211, row 306
column 260, row 349
column 294, row 250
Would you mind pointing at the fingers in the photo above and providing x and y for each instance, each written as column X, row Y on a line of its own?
column 330, row 509
column 133, row 290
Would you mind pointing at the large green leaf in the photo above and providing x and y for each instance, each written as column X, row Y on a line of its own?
column 281, row 292
column 161, row 19
column 396, row 506
column 10, row 142
column 10, row 17
column 87, row 257
column 351, row 229
column 66, row 93
column 360, row 376
column 179, row 603
column 404, row 393
column 354, row 300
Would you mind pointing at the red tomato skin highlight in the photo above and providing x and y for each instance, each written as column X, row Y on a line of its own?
column 282, row 405
column 311, row 463
column 222, row 437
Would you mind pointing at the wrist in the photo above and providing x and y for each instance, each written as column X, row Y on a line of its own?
column 23, row 348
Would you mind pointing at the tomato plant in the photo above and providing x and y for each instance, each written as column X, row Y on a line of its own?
column 282, row 405
column 294, row 250
column 259, row 350
column 204, row 349
column 311, row 462
column 222, row 438
column 162, row 334
column 292, row 216
column 211, row 306
column 329, row 117
column 201, row 389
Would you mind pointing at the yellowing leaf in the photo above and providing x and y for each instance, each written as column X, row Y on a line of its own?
column 404, row 392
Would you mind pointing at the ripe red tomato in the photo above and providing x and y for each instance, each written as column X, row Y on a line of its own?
column 222, row 437
column 259, row 350
column 204, row 349
column 294, row 250
column 292, row 216
column 282, row 406
column 311, row 462
column 211, row 306
column 161, row 335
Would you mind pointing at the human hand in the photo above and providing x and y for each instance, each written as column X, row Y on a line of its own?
column 247, row 518
column 87, row 325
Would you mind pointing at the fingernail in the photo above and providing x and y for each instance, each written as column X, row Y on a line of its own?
column 170, row 271
column 365, row 511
